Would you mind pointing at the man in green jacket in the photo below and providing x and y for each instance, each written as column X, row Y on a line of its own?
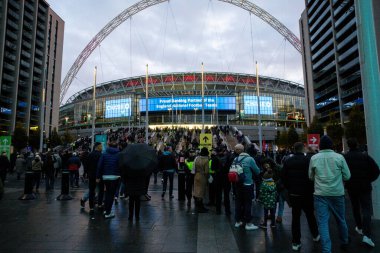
column 328, row 170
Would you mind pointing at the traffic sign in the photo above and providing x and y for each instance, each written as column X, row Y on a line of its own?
column 5, row 145
column 205, row 141
column 313, row 140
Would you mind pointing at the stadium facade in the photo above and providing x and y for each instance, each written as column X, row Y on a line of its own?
column 175, row 99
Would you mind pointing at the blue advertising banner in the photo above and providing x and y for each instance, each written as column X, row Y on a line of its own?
column 251, row 105
column 118, row 108
column 188, row 103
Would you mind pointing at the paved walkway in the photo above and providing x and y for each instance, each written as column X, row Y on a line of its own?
column 48, row 225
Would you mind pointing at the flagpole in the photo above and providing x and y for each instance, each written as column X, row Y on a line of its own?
column 93, row 111
column 258, row 107
column 146, row 107
column 203, row 101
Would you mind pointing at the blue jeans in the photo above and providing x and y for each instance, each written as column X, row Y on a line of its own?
column 281, row 205
column 323, row 205
column 243, row 203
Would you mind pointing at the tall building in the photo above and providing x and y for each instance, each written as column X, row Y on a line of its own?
column 31, row 44
column 332, row 70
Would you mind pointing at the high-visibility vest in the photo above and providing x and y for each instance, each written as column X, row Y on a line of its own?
column 189, row 164
column 209, row 166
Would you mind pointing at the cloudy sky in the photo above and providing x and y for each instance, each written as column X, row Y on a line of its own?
column 177, row 36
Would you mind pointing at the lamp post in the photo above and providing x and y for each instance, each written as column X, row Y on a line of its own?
column 203, row 102
column 93, row 111
column 195, row 115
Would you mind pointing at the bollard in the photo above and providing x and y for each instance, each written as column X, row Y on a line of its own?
column 28, row 187
column 65, row 195
column 181, row 185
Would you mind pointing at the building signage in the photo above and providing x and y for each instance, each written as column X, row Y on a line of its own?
column 251, row 105
column 313, row 140
column 118, row 108
column 188, row 103
column 5, row 145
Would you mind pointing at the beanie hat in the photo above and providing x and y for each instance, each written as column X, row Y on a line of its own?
column 325, row 143
column 204, row 152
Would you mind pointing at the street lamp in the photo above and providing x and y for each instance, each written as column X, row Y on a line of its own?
column 170, row 115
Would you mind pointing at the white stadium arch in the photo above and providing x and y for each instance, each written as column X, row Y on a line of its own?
column 143, row 4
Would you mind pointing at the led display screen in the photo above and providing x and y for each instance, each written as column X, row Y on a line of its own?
column 188, row 103
column 251, row 105
column 118, row 108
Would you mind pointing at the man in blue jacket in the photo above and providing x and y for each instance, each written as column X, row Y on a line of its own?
column 168, row 166
column 109, row 171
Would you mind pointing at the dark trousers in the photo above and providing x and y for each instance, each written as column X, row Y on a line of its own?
column 306, row 204
column 134, row 206
column 270, row 213
column 100, row 192
column 74, row 177
column 189, row 186
column 91, row 191
column 37, row 179
column 167, row 175
column 361, row 207
column 222, row 187
column 211, row 191
column 243, row 203
column 49, row 181
column 111, row 186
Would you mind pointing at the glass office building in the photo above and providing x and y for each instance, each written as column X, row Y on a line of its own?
column 175, row 98
column 330, row 59
column 31, row 43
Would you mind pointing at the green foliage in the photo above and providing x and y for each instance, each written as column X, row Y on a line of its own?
column 19, row 138
column 335, row 131
column 356, row 125
column 292, row 136
column 54, row 139
column 67, row 138
column 315, row 127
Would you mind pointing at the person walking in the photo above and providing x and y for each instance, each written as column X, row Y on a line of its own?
column 300, row 188
column 244, row 190
column 364, row 171
column 268, row 197
column 37, row 166
column 167, row 165
column 73, row 165
column 328, row 170
column 49, row 171
column 201, row 170
column 93, row 159
column 189, row 176
column 20, row 166
column 223, row 186
column 108, row 169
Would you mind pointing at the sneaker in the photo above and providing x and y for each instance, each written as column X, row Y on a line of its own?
column 82, row 203
column 296, row 246
column 109, row 216
column 273, row 225
column 263, row 225
column 238, row 224
column 359, row 231
column 317, row 238
column 368, row 241
column 250, row 226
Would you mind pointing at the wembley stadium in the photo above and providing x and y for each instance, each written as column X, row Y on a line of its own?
column 175, row 99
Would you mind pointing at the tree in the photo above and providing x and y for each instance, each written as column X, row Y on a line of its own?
column 315, row 127
column 356, row 125
column 55, row 140
column 335, row 131
column 292, row 136
column 67, row 138
column 19, row 138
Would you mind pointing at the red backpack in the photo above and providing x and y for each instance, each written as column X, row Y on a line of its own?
column 236, row 173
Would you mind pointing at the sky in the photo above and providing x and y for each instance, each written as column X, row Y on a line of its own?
column 177, row 36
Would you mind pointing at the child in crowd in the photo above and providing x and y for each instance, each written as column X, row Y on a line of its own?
column 268, row 197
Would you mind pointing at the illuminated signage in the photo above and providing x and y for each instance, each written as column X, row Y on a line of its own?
column 118, row 108
column 188, row 103
column 251, row 105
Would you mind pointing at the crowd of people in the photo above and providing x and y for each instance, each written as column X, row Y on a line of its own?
column 312, row 182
